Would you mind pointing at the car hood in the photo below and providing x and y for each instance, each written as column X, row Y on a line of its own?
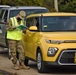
column 60, row 36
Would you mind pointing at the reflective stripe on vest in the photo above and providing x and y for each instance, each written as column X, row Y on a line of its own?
column 17, row 33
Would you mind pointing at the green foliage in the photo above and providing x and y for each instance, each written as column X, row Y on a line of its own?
column 67, row 5
column 49, row 4
column 64, row 5
column 46, row 3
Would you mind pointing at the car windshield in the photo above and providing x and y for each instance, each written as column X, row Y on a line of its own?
column 59, row 23
column 28, row 11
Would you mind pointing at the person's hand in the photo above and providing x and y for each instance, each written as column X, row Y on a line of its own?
column 14, row 28
column 24, row 29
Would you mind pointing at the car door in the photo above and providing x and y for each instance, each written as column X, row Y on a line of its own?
column 3, row 35
column 31, row 37
column 3, row 29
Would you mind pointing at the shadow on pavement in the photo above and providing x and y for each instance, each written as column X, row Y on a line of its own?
column 57, row 69
column 50, row 70
column 7, row 73
column 62, row 70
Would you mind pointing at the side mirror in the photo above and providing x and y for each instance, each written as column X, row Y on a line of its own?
column 33, row 28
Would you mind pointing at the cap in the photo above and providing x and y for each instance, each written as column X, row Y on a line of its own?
column 22, row 14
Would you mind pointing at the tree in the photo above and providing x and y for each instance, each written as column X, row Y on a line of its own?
column 67, row 5
column 46, row 3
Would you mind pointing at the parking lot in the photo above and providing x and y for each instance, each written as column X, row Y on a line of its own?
column 7, row 66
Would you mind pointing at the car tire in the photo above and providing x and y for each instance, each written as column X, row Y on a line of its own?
column 26, row 61
column 39, row 60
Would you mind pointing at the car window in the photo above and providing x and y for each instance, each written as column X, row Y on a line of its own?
column 33, row 22
column 1, row 8
column 28, row 11
column 59, row 23
column 36, row 22
column 1, row 13
column 5, row 16
column 34, row 11
column 29, row 22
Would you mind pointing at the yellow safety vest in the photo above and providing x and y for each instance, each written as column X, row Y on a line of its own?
column 17, row 33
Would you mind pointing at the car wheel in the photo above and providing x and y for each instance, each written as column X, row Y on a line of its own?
column 40, row 64
column 26, row 61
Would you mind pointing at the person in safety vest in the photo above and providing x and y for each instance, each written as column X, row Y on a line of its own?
column 14, row 37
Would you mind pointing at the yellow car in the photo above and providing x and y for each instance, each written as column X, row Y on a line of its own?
column 50, row 39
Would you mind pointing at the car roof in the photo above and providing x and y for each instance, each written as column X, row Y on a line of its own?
column 4, row 6
column 52, row 14
column 24, row 7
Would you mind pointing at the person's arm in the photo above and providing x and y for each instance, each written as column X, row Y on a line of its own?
column 25, row 23
column 9, row 26
column 24, row 30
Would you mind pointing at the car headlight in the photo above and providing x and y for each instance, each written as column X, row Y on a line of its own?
column 53, row 41
column 48, row 41
column 52, row 51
